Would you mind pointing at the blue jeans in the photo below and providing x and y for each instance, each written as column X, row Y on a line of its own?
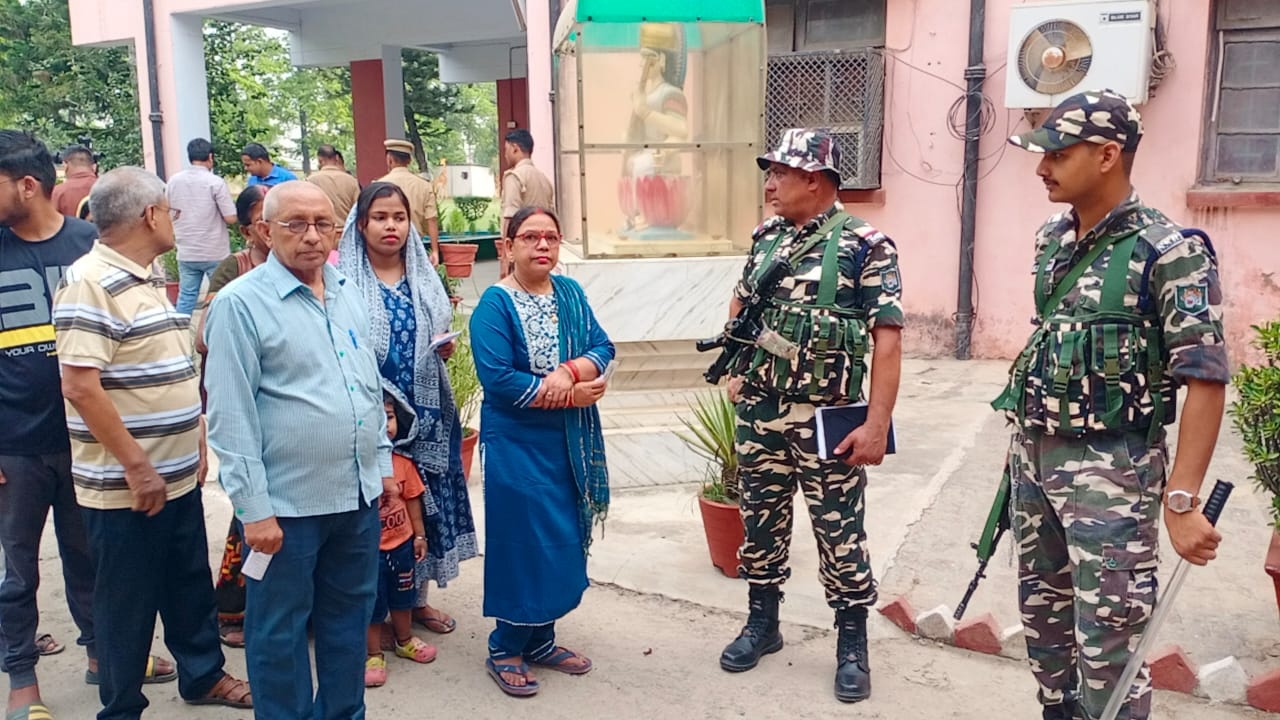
column 395, row 581
column 326, row 570
column 190, row 276
column 144, row 565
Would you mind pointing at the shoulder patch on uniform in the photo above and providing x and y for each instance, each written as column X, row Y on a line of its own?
column 1163, row 238
column 1192, row 299
column 865, row 231
column 890, row 280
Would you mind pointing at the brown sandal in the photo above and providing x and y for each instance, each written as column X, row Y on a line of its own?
column 227, row 691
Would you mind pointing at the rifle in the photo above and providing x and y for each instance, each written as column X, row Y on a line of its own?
column 743, row 329
column 997, row 524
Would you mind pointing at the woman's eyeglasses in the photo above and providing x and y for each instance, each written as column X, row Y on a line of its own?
column 552, row 239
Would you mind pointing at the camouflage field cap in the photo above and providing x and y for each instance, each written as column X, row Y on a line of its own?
column 1098, row 117
column 805, row 149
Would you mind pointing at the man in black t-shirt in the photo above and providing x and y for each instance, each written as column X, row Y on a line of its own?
column 37, row 244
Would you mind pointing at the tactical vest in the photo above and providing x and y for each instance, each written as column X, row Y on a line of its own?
column 1096, row 371
column 832, row 340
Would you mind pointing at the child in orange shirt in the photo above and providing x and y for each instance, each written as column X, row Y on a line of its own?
column 403, row 543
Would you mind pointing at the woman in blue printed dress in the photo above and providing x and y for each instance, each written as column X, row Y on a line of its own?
column 382, row 253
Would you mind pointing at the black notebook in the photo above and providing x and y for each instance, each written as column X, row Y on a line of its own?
column 835, row 422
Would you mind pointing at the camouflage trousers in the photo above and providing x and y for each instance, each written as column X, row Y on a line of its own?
column 778, row 452
column 1086, row 522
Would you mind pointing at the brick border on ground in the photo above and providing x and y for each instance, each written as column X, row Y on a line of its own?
column 1172, row 670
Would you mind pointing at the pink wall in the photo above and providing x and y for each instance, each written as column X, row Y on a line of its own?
column 923, row 217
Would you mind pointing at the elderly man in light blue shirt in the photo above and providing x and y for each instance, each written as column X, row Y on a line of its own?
column 297, row 421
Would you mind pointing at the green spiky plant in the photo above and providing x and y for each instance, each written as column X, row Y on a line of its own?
column 709, row 434
column 1256, row 414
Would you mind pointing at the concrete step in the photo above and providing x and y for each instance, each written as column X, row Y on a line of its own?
column 660, row 365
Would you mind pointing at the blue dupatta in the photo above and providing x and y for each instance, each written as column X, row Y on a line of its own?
column 582, row 425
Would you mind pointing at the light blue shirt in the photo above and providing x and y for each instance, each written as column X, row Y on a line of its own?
column 275, row 177
column 295, row 398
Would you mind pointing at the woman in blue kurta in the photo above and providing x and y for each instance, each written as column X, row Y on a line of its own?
column 408, row 307
column 540, row 355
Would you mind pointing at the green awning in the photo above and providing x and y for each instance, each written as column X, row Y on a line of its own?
column 631, row 11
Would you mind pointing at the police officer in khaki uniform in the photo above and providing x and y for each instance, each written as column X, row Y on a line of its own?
column 1128, row 309
column 524, row 185
column 841, row 303
column 422, row 197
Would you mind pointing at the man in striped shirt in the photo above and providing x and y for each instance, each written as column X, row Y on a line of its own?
column 137, row 450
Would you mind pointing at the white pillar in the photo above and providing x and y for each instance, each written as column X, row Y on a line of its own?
column 188, row 117
column 393, row 90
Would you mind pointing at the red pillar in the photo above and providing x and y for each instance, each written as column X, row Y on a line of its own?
column 369, row 112
column 513, row 112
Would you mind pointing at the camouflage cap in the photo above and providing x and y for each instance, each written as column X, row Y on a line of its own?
column 1098, row 117
column 805, row 149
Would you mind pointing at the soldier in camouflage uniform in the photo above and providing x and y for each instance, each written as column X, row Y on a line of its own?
column 843, row 292
column 1128, row 310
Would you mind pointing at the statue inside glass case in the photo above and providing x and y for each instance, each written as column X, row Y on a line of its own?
column 653, row 190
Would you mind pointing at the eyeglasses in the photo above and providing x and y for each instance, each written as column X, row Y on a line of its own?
column 174, row 213
column 298, row 227
column 552, row 239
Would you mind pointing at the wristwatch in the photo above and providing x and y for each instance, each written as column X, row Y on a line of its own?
column 1180, row 501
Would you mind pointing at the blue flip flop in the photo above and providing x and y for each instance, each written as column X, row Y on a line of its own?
column 496, row 670
column 556, row 661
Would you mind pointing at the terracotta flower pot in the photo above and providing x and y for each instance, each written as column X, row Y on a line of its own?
column 458, row 258
column 723, row 526
column 171, row 289
column 469, row 439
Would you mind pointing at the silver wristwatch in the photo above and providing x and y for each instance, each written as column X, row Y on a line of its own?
column 1180, row 501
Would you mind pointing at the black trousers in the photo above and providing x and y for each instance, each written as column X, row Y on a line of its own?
column 147, row 565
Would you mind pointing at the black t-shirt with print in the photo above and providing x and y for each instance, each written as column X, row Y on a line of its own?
column 32, row 417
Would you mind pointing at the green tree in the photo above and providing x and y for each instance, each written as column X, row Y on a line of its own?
column 428, row 106
column 256, row 95
column 476, row 138
column 61, row 92
column 244, row 66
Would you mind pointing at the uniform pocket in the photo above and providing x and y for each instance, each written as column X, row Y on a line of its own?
column 1126, row 585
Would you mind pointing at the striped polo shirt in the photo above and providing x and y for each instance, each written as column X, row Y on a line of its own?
column 112, row 314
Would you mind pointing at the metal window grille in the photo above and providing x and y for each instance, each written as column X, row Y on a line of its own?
column 839, row 91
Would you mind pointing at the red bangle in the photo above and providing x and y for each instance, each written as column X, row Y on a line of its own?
column 573, row 371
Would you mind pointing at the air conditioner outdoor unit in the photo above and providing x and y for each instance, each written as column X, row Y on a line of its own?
column 1058, row 49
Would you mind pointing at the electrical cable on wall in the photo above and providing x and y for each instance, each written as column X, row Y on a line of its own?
column 1162, row 61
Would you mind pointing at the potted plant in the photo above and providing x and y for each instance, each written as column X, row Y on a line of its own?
column 458, row 258
column 466, row 391
column 710, row 435
column 169, row 261
column 451, row 285
column 1256, row 416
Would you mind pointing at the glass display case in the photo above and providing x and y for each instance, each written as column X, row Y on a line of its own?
column 658, row 126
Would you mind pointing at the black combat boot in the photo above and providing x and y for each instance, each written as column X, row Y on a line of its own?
column 760, row 635
column 853, row 672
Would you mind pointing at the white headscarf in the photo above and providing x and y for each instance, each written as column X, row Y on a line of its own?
column 432, row 312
